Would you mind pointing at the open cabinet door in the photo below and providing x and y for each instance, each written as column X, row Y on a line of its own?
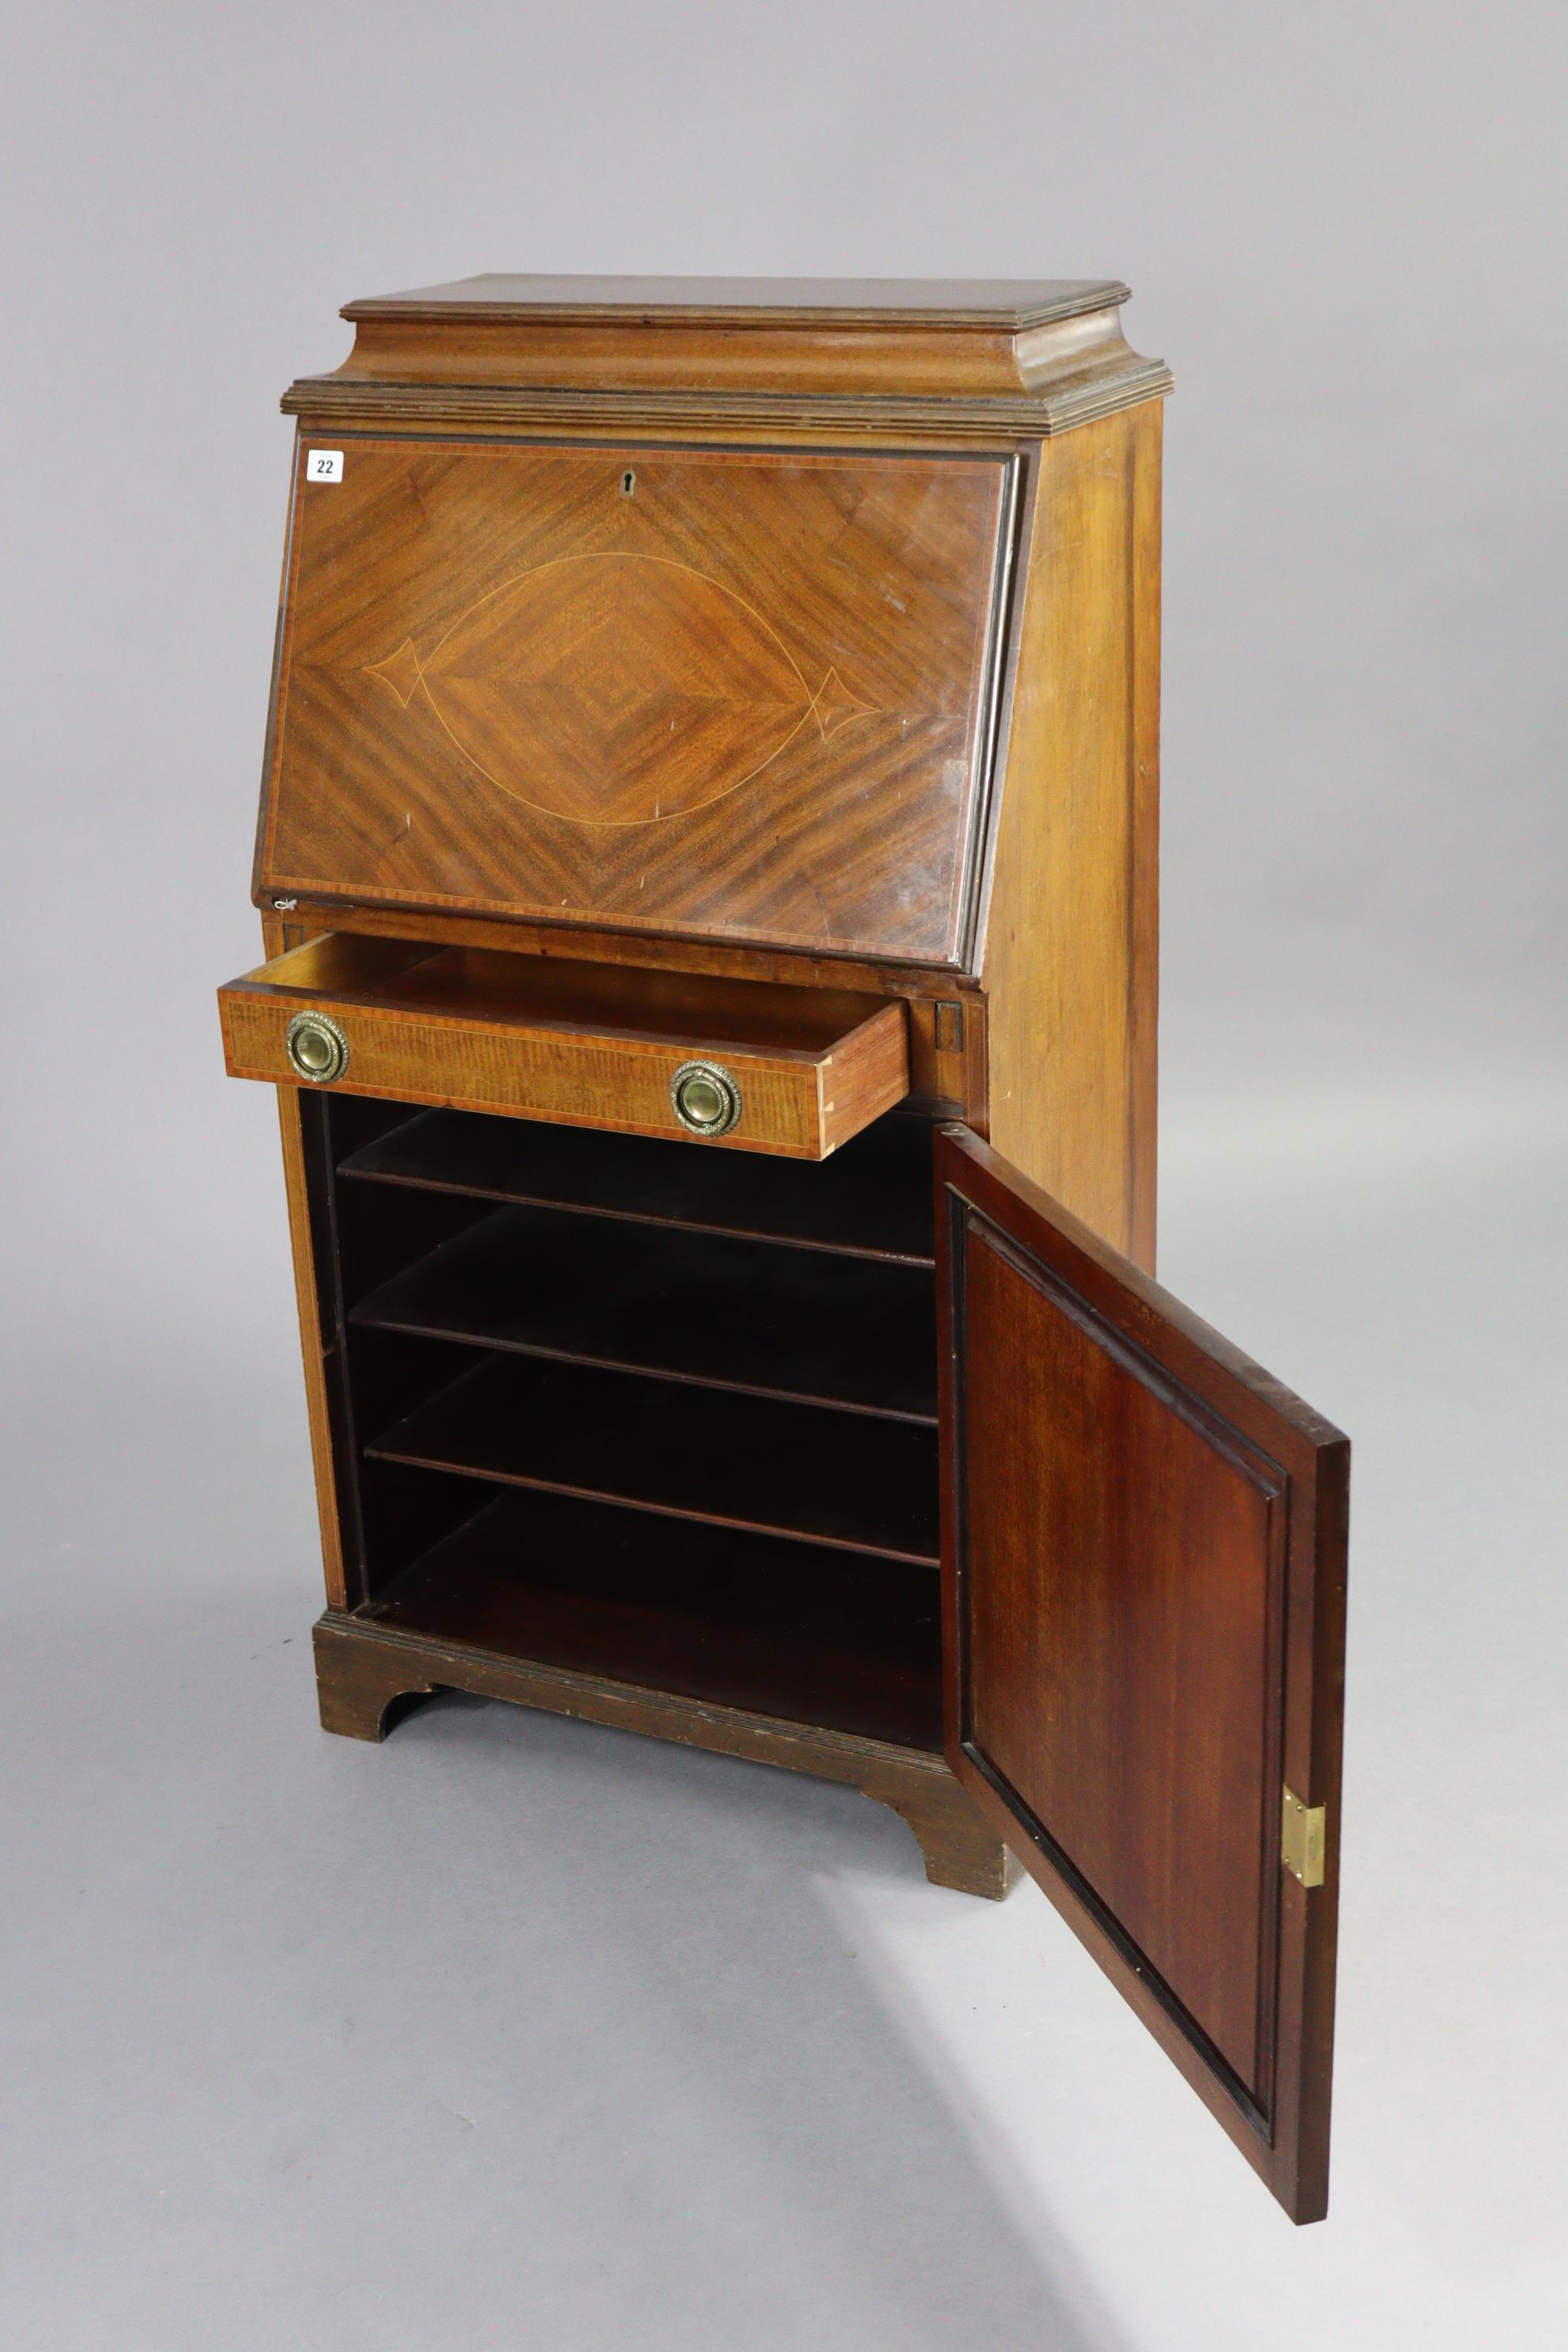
column 1143, row 1567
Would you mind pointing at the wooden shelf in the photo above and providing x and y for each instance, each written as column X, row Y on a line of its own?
column 820, row 1475
column 742, row 1621
column 872, row 1199
column 685, row 1306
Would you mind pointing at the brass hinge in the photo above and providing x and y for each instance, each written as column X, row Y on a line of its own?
column 1302, row 1837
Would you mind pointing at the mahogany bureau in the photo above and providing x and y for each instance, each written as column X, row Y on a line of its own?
column 708, row 870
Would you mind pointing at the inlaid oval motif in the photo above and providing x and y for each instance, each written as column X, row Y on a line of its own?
column 616, row 688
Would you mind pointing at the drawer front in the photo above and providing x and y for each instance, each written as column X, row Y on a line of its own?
column 801, row 1101
column 736, row 694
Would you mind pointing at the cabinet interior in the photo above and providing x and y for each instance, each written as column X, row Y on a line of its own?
column 639, row 1409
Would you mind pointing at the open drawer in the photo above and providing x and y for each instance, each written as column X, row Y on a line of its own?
column 795, row 1071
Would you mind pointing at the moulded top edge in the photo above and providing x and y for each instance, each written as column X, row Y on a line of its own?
column 1005, row 303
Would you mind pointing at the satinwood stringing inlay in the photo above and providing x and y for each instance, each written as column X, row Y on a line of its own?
column 730, row 693
column 618, row 688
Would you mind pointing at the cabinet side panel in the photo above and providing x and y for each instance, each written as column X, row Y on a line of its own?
column 277, row 937
column 1147, row 426
column 1070, row 959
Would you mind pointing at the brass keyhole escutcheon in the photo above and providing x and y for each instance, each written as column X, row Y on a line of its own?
column 316, row 1048
column 707, row 1099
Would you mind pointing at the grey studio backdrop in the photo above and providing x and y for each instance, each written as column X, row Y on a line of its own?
column 518, row 2033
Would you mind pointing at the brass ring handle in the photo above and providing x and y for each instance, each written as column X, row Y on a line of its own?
column 316, row 1048
column 706, row 1099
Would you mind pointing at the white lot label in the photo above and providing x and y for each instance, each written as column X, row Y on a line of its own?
column 324, row 465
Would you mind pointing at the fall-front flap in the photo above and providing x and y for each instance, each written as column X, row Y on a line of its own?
column 743, row 695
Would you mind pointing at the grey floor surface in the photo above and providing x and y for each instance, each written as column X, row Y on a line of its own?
column 516, row 2034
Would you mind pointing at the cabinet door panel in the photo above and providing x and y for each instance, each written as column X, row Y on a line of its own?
column 1144, row 1571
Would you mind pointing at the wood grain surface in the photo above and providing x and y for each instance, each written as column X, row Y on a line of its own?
column 949, row 1069
column 747, row 356
column 1070, row 959
column 1144, row 1568
column 728, row 693
column 599, row 1047
column 881, row 305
